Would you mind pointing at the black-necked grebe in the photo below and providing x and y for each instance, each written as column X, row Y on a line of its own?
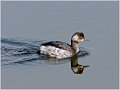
column 58, row 49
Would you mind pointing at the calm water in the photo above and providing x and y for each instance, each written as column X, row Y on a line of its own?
column 25, row 25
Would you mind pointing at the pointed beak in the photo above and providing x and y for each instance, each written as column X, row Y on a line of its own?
column 86, row 39
column 86, row 66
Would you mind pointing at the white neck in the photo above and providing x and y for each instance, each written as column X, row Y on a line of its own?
column 75, row 46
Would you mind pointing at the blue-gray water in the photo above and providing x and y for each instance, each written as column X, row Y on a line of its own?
column 25, row 25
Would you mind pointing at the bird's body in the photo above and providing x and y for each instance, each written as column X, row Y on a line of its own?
column 58, row 49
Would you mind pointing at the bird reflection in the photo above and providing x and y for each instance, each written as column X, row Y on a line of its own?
column 77, row 68
column 15, row 52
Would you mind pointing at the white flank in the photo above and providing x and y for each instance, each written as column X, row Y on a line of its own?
column 55, row 52
column 75, row 38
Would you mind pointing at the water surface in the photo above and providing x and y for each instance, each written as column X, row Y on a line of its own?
column 25, row 25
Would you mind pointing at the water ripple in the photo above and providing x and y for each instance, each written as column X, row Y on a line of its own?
column 16, row 51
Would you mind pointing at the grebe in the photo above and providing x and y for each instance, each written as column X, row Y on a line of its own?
column 58, row 49
column 77, row 68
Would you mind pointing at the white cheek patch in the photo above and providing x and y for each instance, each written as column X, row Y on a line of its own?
column 75, row 38
column 75, row 69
